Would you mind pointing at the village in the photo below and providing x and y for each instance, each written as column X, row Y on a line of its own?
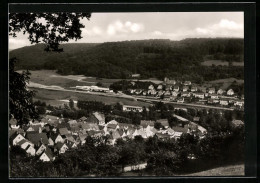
column 52, row 135
column 187, row 92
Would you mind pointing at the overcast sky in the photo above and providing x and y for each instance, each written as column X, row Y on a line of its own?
column 104, row 27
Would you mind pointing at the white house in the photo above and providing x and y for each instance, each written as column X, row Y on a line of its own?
column 47, row 155
column 230, row 92
column 132, row 108
column 17, row 139
column 199, row 95
column 40, row 149
column 223, row 102
column 30, row 150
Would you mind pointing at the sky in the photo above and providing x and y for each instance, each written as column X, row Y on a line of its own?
column 109, row 27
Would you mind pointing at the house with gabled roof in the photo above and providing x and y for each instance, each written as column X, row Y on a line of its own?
column 30, row 150
column 220, row 91
column 113, row 122
column 16, row 138
column 38, row 138
column 151, row 87
column 175, row 93
column 24, row 143
column 211, row 90
column 194, row 89
column 60, row 148
column 100, row 117
column 63, row 131
column 82, row 138
column 185, row 88
column 164, row 122
column 55, row 138
column 230, row 92
column 47, row 155
column 71, row 145
column 41, row 149
column 160, row 87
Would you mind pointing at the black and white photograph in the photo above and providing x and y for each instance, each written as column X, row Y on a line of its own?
column 126, row 94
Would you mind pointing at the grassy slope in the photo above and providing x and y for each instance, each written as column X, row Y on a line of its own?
column 232, row 170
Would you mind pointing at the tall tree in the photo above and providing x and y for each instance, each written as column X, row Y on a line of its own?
column 20, row 98
column 49, row 28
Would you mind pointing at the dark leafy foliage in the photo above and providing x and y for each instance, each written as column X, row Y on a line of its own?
column 49, row 28
column 20, row 98
column 150, row 58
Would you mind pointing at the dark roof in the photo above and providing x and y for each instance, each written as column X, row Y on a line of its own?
column 63, row 131
column 164, row 122
column 83, row 118
column 92, row 119
column 162, row 135
column 53, row 136
column 180, row 129
column 49, row 153
column 59, row 145
column 145, row 123
column 113, row 126
column 37, row 138
column 12, row 121
column 63, row 125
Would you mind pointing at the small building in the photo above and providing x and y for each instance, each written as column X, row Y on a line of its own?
column 176, row 88
column 41, row 149
column 175, row 93
column 212, row 90
column 223, row 102
column 47, row 155
column 151, row 87
column 169, row 81
column 60, row 148
column 220, row 91
column 199, row 95
column 185, row 94
column 185, row 88
column 187, row 83
column 132, row 108
column 135, row 75
column 164, row 122
column 159, row 87
column 237, row 123
column 230, row 92
column 214, row 96
column 194, row 89
column 180, row 100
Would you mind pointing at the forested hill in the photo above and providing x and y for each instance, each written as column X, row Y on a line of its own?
column 150, row 58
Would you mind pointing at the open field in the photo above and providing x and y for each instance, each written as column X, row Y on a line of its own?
column 53, row 97
column 232, row 170
column 220, row 62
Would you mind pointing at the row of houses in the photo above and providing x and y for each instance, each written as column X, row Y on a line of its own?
column 53, row 136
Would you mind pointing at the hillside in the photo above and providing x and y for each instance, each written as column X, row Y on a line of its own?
column 150, row 58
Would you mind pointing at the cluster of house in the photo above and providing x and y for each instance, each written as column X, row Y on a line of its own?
column 172, row 91
column 52, row 135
